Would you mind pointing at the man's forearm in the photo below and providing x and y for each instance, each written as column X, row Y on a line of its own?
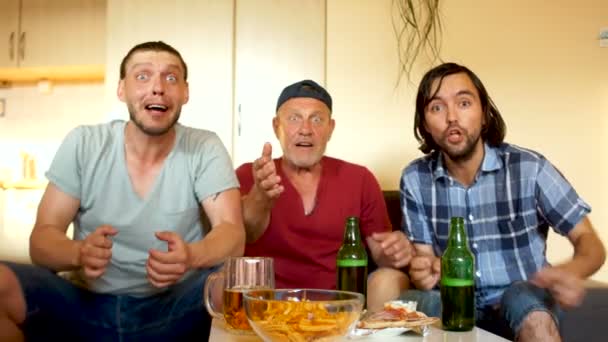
column 589, row 256
column 51, row 248
column 223, row 241
column 256, row 215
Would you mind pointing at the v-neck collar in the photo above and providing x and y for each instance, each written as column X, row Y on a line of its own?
column 123, row 158
column 289, row 184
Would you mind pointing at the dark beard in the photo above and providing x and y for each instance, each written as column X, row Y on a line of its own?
column 464, row 155
column 153, row 131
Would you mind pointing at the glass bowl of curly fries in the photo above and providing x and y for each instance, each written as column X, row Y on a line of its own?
column 302, row 314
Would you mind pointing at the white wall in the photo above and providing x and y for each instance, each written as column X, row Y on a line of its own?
column 540, row 61
column 36, row 123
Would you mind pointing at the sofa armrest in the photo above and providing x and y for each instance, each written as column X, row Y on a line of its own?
column 588, row 322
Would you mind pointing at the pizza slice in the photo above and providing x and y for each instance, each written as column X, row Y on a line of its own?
column 395, row 315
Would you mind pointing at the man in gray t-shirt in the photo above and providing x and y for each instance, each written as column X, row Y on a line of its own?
column 134, row 191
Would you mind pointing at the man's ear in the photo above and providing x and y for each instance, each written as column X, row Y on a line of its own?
column 120, row 90
column 332, row 125
column 187, row 95
column 275, row 125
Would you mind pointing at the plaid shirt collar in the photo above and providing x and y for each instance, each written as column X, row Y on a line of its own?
column 491, row 162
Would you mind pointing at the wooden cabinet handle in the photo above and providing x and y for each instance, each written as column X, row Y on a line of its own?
column 22, row 46
column 11, row 46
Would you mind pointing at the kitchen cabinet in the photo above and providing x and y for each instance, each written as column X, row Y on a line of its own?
column 9, row 32
column 51, row 34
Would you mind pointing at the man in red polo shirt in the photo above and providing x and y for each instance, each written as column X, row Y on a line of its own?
column 295, row 206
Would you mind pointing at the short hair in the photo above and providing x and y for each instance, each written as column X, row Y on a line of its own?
column 494, row 130
column 152, row 46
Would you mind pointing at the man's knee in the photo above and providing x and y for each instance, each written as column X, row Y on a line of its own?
column 12, row 302
column 383, row 285
column 538, row 326
column 530, row 309
column 385, row 277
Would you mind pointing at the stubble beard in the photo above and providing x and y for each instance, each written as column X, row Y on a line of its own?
column 306, row 162
column 149, row 130
column 462, row 154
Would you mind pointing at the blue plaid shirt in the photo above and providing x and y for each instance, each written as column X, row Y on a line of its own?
column 516, row 195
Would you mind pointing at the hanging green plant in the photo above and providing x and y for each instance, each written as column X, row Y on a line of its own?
column 417, row 27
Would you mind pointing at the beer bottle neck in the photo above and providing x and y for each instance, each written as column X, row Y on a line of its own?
column 352, row 235
column 458, row 236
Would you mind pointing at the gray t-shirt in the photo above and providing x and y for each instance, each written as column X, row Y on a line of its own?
column 90, row 165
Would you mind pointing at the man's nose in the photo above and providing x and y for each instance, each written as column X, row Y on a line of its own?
column 451, row 115
column 158, row 86
column 305, row 126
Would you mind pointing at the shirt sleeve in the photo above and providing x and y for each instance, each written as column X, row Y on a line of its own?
column 214, row 172
column 245, row 176
column 557, row 200
column 66, row 167
column 374, row 216
column 415, row 224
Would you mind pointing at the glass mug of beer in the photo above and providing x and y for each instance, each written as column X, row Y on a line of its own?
column 225, row 288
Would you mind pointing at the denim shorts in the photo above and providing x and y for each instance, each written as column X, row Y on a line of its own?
column 60, row 310
column 504, row 319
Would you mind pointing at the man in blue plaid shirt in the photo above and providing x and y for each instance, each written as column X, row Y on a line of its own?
column 509, row 197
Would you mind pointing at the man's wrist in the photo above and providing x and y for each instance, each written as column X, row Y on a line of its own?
column 76, row 254
column 258, row 196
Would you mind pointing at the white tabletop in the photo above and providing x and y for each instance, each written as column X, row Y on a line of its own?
column 219, row 334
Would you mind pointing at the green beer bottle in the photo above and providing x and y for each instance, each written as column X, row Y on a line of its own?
column 457, row 280
column 351, row 261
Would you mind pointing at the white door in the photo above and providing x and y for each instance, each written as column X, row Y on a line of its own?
column 278, row 42
column 202, row 31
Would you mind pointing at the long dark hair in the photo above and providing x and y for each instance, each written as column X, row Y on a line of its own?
column 494, row 130
column 152, row 46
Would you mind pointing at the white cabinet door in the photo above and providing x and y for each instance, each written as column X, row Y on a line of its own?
column 278, row 42
column 9, row 32
column 202, row 31
column 62, row 32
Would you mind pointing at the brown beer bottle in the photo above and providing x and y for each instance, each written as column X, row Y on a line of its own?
column 351, row 261
column 457, row 280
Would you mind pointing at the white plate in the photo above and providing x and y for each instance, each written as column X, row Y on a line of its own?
column 386, row 332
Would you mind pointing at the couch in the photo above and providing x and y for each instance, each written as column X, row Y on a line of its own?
column 584, row 323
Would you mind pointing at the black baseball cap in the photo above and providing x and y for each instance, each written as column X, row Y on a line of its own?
column 305, row 88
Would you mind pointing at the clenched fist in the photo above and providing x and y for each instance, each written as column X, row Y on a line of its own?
column 96, row 251
column 425, row 271
column 390, row 249
column 166, row 268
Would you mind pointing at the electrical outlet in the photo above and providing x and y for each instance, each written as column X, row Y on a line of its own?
column 2, row 107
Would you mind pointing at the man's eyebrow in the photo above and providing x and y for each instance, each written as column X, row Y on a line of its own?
column 147, row 64
column 465, row 92
column 139, row 65
column 459, row 93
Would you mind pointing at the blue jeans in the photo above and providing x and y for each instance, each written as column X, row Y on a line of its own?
column 504, row 319
column 57, row 310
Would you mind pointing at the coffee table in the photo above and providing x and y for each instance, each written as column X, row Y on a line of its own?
column 220, row 334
